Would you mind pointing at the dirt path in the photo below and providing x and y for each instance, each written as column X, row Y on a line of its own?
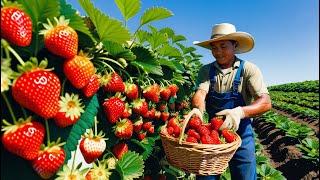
column 283, row 153
column 311, row 123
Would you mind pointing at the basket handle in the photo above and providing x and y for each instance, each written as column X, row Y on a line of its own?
column 185, row 122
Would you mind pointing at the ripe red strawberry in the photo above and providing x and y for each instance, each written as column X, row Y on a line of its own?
column 164, row 116
column 120, row 149
column 152, row 93
column 174, row 89
column 165, row 93
column 127, row 111
column 173, row 122
column 176, row 131
column 92, row 147
column 207, row 139
column 49, row 161
column 147, row 125
column 79, row 69
column 23, row 138
column 151, row 114
column 151, row 130
column 203, row 130
column 215, row 136
column 137, row 126
column 112, row 83
column 193, row 133
column 92, row 87
column 170, row 130
column 191, row 139
column 16, row 26
column 124, row 129
column 38, row 90
column 70, row 110
column 60, row 39
column 216, row 123
column 195, row 122
column 140, row 106
column 131, row 91
column 141, row 135
column 228, row 135
column 114, row 108
column 162, row 106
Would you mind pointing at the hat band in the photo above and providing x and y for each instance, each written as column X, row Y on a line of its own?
column 217, row 35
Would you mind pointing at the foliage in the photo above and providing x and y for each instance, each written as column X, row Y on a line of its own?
column 305, row 86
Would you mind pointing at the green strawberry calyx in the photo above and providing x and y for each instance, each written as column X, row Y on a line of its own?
column 52, row 146
column 91, row 135
column 8, row 127
column 30, row 66
column 59, row 22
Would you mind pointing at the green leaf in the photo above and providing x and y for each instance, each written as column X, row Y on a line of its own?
column 130, row 166
column 154, row 14
column 40, row 10
column 174, row 65
column 178, row 38
column 186, row 50
column 76, row 22
column 168, row 31
column 145, row 60
column 118, row 51
column 85, row 122
column 167, row 50
column 128, row 8
column 143, row 36
column 107, row 28
column 157, row 39
column 147, row 144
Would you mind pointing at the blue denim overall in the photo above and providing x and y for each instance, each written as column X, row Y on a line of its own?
column 243, row 164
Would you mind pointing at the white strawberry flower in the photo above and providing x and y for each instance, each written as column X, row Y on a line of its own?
column 71, row 105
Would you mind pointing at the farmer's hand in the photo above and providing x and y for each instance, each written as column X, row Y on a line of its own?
column 195, row 111
column 233, row 117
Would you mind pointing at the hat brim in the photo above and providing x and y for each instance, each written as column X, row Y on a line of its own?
column 245, row 41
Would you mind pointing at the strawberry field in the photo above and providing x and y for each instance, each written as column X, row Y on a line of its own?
column 84, row 97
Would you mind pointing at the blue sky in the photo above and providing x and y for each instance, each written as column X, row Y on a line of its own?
column 286, row 32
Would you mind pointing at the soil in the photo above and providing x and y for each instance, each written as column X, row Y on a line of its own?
column 282, row 152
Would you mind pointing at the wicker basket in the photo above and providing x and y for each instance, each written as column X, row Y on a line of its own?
column 200, row 159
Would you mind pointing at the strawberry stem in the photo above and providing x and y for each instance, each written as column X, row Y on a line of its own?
column 63, row 84
column 95, row 126
column 73, row 161
column 47, row 130
column 16, row 55
column 9, row 107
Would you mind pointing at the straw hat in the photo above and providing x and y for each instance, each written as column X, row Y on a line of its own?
column 227, row 31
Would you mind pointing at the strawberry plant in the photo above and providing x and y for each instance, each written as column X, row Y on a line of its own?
column 145, row 77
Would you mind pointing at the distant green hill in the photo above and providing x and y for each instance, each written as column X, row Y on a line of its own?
column 305, row 86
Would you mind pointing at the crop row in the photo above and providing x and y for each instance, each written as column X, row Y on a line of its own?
column 305, row 86
column 309, row 144
column 294, row 109
column 311, row 101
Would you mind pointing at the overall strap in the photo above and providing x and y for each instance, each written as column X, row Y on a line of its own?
column 236, row 81
column 212, row 74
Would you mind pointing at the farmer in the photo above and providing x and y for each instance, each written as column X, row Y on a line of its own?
column 235, row 89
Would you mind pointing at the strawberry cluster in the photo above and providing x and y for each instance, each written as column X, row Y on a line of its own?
column 199, row 132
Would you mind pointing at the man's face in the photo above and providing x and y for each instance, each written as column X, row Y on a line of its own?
column 223, row 51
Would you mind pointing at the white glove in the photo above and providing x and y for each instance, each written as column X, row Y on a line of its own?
column 233, row 117
column 195, row 111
